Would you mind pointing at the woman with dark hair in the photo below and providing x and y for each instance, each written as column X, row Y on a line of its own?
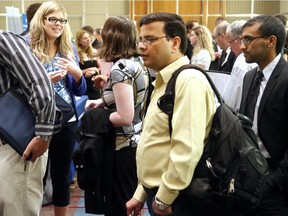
column 124, row 95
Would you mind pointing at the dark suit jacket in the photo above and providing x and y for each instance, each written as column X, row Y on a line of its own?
column 228, row 65
column 214, row 64
column 273, row 118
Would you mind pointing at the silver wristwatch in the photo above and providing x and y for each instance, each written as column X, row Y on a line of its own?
column 160, row 205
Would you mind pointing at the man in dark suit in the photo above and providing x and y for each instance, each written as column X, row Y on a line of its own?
column 227, row 57
column 262, row 41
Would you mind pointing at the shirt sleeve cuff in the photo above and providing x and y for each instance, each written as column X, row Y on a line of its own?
column 140, row 194
column 166, row 196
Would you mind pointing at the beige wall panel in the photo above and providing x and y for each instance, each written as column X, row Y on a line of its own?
column 167, row 6
column 117, row 8
column 16, row 4
column 75, row 24
column 284, row 7
column 96, row 20
column 240, row 7
column 190, row 7
column 267, row 7
column 94, row 7
column 3, row 23
column 72, row 7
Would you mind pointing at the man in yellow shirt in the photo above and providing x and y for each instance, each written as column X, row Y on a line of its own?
column 165, row 164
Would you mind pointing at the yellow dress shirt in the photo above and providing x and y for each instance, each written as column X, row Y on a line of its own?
column 169, row 163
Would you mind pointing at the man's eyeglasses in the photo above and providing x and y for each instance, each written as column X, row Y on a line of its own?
column 248, row 39
column 149, row 40
column 55, row 20
column 230, row 42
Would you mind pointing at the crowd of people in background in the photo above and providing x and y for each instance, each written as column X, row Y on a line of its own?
column 239, row 49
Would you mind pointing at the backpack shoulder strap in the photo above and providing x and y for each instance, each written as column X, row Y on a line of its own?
column 166, row 102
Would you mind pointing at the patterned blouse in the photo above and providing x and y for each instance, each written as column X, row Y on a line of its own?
column 132, row 72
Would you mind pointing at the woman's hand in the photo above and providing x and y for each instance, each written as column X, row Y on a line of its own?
column 94, row 104
column 55, row 76
column 100, row 81
column 89, row 72
column 70, row 66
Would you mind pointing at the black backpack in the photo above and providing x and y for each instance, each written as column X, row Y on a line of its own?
column 230, row 175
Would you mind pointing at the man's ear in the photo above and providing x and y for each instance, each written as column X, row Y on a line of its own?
column 176, row 41
column 272, row 41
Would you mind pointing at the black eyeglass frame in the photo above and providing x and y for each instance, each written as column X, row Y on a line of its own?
column 248, row 39
column 55, row 20
column 150, row 39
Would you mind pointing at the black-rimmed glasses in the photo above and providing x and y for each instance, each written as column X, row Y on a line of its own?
column 55, row 20
column 149, row 40
column 248, row 39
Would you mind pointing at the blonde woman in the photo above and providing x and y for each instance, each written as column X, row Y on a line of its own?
column 51, row 42
column 203, row 52
column 88, row 63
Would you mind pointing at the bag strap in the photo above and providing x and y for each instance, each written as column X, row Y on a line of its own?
column 170, row 90
column 148, row 92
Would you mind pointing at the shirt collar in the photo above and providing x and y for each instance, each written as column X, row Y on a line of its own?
column 228, row 51
column 267, row 71
column 166, row 72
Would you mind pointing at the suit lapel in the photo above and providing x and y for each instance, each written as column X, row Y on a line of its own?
column 270, row 85
column 248, row 82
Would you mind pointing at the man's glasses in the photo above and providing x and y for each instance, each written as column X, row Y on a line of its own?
column 55, row 20
column 248, row 39
column 149, row 40
column 230, row 42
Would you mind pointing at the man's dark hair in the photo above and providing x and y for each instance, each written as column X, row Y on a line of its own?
column 173, row 26
column 190, row 24
column 189, row 49
column 98, row 31
column 270, row 25
column 30, row 11
column 282, row 17
column 88, row 29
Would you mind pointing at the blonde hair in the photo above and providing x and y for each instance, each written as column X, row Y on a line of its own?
column 39, row 42
column 80, row 50
column 204, row 40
